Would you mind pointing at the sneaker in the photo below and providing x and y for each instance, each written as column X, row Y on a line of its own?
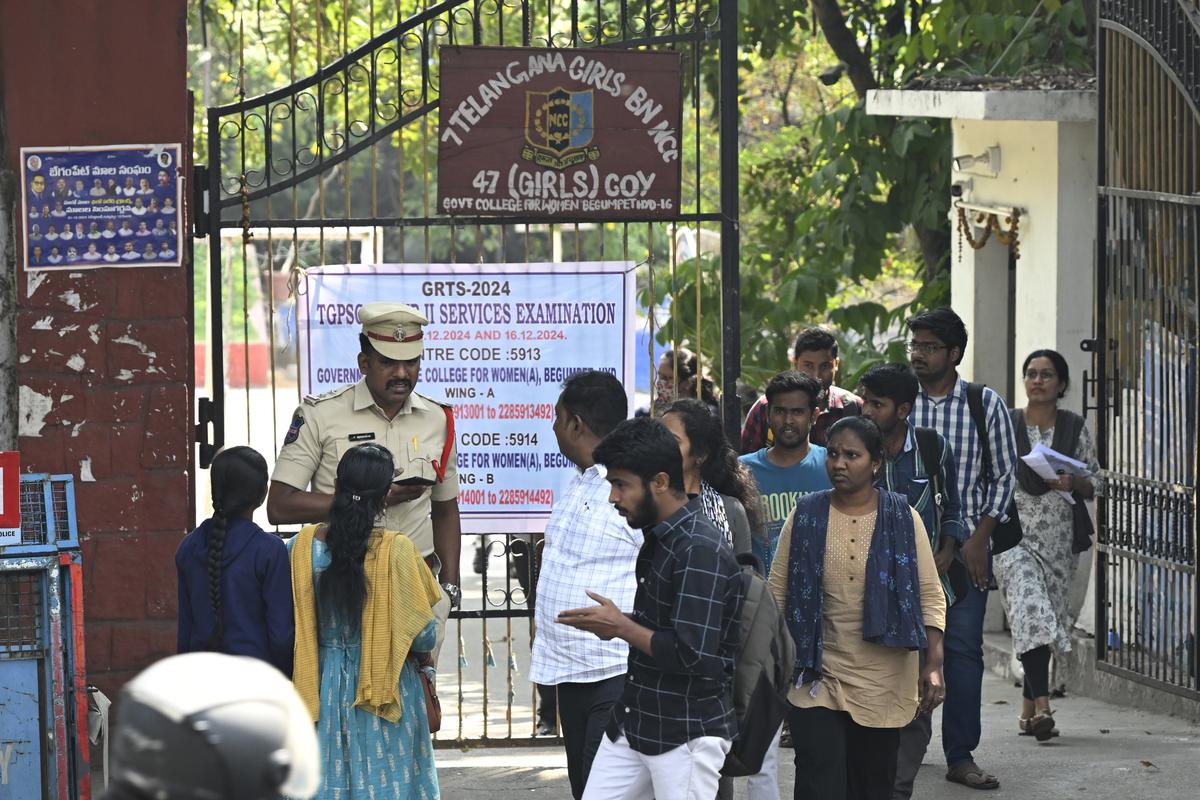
column 546, row 728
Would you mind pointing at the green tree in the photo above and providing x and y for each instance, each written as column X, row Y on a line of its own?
column 833, row 198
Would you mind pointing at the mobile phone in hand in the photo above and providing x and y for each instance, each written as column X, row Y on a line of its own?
column 414, row 481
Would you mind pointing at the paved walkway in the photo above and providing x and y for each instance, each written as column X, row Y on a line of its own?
column 1105, row 752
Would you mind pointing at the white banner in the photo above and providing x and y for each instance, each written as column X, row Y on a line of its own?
column 501, row 340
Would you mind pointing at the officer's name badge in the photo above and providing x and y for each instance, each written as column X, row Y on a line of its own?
column 361, row 437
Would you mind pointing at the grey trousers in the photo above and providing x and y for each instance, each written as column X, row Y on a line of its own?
column 914, row 741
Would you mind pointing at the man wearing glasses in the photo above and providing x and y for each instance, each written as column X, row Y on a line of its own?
column 936, row 345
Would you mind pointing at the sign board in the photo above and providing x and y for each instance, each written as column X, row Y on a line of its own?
column 534, row 132
column 10, row 498
column 90, row 207
column 501, row 340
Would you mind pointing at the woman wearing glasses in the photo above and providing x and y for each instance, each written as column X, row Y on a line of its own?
column 1035, row 576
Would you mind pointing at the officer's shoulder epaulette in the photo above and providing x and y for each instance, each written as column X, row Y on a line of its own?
column 435, row 401
column 314, row 399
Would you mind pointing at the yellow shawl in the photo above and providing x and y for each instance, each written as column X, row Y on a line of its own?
column 401, row 592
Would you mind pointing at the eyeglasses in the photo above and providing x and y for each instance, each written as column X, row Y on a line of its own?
column 1045, row 374
column 925, row 347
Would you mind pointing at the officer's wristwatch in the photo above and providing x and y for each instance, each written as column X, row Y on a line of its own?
column 454, row 593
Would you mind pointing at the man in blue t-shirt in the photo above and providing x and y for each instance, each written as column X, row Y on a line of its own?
column 791, row 467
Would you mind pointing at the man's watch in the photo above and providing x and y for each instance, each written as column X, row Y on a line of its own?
column 454, row 593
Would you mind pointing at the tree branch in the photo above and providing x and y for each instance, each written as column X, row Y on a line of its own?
column 844, row 45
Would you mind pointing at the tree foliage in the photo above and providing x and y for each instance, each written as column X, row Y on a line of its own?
column 834, row 198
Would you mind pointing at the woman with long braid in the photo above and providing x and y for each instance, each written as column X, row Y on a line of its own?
column 364, row 631
column 235, row 583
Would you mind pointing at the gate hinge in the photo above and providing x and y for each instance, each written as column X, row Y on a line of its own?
column 204, row 411
column 201, row 217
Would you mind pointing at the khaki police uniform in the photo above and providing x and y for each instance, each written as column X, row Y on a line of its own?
column 326, row 426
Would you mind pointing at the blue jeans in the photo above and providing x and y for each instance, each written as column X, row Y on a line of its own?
column 963, row 670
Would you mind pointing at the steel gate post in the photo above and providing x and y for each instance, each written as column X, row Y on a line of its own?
column 731, row 281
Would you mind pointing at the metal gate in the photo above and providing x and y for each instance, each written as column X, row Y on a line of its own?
column 1147, row 620
column 340, row 167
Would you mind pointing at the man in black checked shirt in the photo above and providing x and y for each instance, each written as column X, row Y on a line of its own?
column 674, row 723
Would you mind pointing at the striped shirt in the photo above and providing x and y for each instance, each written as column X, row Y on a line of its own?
column 587, row 546
column 981, row 495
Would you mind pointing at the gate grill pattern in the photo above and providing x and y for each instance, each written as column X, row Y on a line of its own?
column 340, row 167
column 1149, row 256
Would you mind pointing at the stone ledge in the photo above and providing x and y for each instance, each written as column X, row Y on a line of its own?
column 1044, row 105
column 1077, row 671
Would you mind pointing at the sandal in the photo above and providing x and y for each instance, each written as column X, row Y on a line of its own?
column 970, row 775
column 1040, row 726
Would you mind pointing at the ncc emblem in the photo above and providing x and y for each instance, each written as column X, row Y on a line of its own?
column 558, row 128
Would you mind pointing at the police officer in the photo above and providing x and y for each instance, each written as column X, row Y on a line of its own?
column 384, row 408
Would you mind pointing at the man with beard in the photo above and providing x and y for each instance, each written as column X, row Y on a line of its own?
column 670, row 731
column 937, row 341
column 792, row 466
column 383, row 408
column 815, row 353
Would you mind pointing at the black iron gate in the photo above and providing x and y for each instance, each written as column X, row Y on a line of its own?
column 1147, row 620
column 340, row 167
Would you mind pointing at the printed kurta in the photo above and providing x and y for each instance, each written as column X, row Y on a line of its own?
column 363, row 756
column 1035, row 576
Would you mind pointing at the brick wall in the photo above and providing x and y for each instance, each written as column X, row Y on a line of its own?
column 104, row 357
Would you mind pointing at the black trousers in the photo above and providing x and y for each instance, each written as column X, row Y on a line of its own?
column 838, row 759
column 583, row 711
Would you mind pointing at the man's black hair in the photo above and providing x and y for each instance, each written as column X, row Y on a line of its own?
column 645, row 447
column 364, row 345
column 597, row 398
column 811, row 339
column 793, row 381
column 896, row 382
column 945, row 325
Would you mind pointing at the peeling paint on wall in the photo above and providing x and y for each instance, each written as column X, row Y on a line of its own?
column 72, row 298
column 129, row 340
column 94, row 333
column 34, row 282
column 124, row 375
column 85, row 471
column 76, row 362
column 67, row 329
column 33, row 410
column 42, row 324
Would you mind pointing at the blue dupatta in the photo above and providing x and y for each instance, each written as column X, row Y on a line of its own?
column 892, row 598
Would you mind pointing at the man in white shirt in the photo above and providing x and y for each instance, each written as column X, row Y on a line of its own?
column 587, row 546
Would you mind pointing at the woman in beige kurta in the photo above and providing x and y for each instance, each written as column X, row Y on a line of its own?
column 845, row 724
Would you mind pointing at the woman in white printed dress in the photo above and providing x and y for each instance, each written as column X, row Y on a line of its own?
column 1035, row 576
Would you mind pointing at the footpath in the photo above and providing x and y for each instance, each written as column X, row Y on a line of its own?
column 1106, row 752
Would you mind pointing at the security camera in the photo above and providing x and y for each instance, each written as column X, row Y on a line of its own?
column 989, row 160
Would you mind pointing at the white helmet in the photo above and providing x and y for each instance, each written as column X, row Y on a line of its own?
column 207, row 725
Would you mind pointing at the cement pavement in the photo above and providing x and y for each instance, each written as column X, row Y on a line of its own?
column 1106, row 752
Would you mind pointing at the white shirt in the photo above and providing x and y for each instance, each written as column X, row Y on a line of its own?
column 587, row 546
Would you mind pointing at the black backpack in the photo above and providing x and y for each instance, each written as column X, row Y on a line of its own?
column 929, row 445
column 762, row 673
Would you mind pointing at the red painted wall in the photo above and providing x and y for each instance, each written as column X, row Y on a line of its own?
column 93, row 72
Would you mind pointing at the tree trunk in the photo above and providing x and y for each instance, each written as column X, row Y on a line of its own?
column 1089, row 15
column 935, row 250
column 845, row 45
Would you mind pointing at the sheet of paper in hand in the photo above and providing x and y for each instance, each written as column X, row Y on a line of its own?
column 1048, row 463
